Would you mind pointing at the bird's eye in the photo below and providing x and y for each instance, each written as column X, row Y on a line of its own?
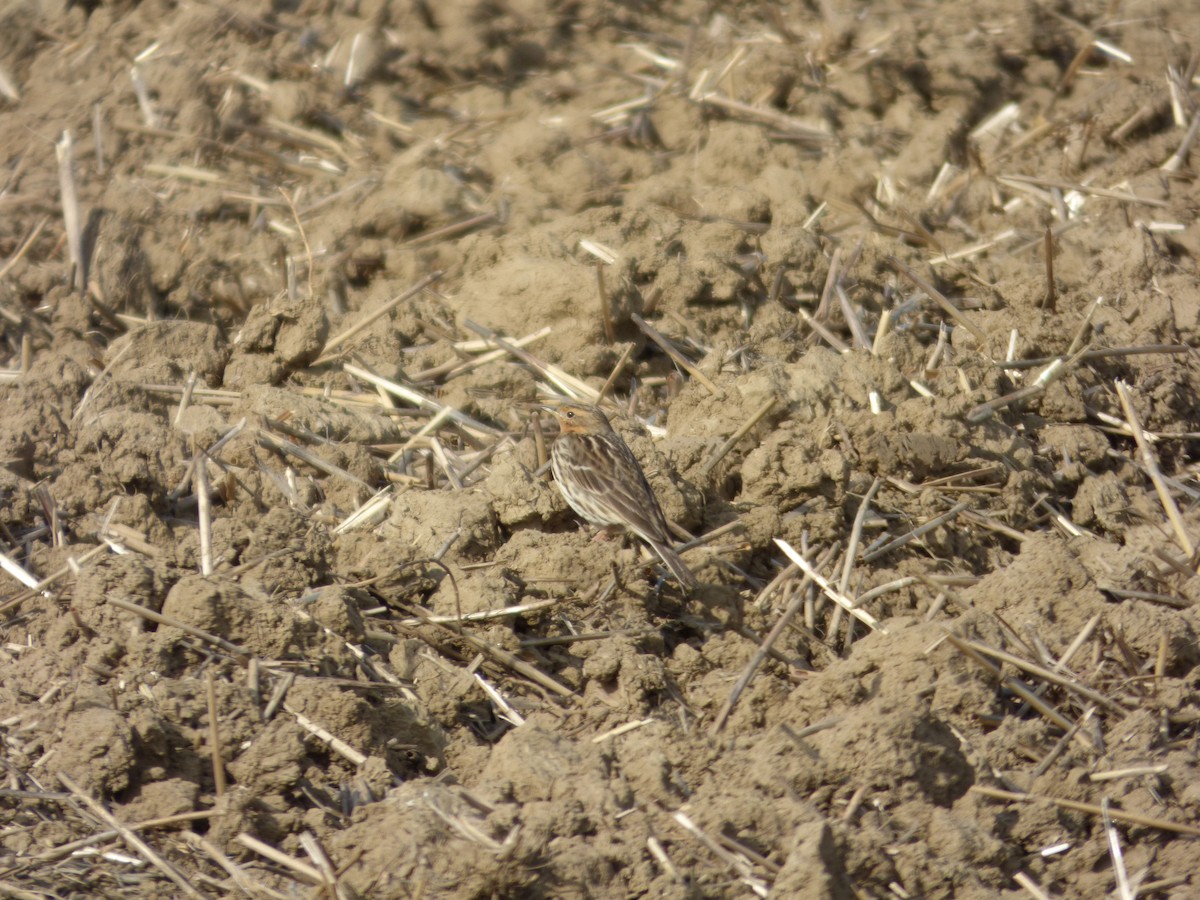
column 570, row 414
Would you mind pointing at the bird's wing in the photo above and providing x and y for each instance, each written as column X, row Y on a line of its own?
column 622, row 488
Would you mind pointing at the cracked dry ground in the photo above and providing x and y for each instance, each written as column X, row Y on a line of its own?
column 287, row 598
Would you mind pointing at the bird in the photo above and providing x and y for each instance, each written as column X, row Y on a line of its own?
column 601, row 480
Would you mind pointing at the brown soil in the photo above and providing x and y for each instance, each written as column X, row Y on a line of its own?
column 295, row 166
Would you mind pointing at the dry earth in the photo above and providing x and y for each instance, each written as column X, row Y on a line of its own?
column 839, row 214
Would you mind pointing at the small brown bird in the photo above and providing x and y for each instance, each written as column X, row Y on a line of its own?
column 601, row 480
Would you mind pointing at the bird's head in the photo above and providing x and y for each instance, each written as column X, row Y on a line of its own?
column 579, row 418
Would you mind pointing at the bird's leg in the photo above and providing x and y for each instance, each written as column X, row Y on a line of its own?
column 609, row 532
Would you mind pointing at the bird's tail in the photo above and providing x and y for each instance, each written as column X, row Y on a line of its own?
column 677, row 566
